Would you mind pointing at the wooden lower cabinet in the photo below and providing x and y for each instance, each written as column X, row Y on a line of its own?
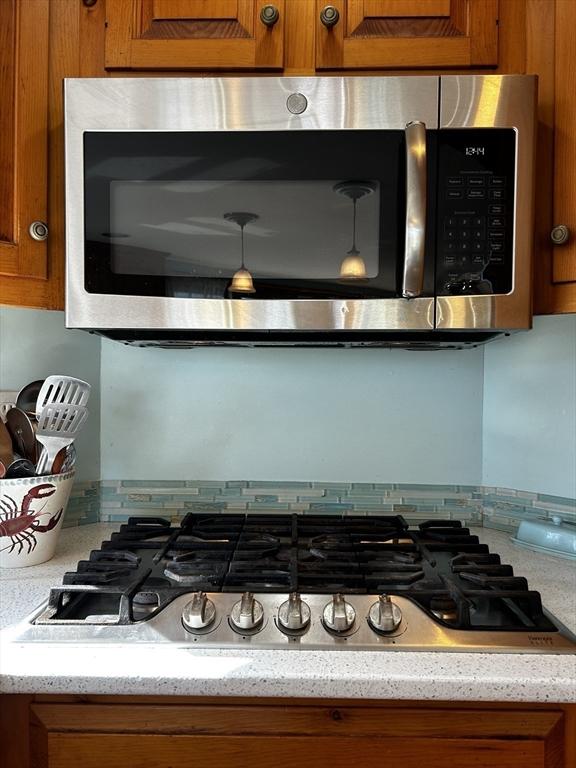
column 128, row 732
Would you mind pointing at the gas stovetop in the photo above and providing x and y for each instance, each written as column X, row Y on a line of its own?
column 299, row 581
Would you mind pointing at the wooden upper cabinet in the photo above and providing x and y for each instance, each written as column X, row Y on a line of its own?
column 194, row 34
column 406, row 34
column 23, row 150
column 564, row 216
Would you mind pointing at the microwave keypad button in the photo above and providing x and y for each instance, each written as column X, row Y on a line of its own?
column 496, row 258
column 450, row 221
column 495, row 234
column 476, row 246
column 465, row 234
column 477, row 194
column 478, row 234
column 478, row 259
column 451, row 234
column 449, row 246
column 498, row 181
column 496, row 246
column 497, row 194
column 465, row 221
column 464, row 246
column 496, row 221
column 449, row 259
column 479, row 221
column 455, row 181
column 455, row 194
column 496, row 209
column 476, row 181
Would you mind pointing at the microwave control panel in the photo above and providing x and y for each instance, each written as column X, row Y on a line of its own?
column 475, row 213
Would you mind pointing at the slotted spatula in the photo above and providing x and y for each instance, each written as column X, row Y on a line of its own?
column 62, row 390
column 58, row 426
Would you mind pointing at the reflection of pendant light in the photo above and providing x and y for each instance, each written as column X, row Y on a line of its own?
column 353, row 267
column 242, row 279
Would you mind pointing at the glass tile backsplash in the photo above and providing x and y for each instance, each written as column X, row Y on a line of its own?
column 499, row 508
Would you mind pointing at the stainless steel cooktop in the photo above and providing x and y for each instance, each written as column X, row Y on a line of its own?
column 298, row 581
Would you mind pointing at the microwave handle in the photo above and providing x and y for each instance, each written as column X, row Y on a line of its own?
column 413, row 276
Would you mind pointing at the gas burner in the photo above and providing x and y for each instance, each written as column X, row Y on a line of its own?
column 308, row 581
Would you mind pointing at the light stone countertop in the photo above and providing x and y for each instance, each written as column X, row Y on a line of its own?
column 172, row 670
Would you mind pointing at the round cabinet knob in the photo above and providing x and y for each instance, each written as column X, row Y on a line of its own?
column 38, row 230
column 384, row 616
column 338, row 615
column 247, row 614
column 560, row 234
column 269, row 15
column 294, row 614
column 329, row 16
column 199, row 613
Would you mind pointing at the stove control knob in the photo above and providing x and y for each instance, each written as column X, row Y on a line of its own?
column 338, row 616
column 199, row 613
column 294, row 614
column 384, row 616
column 246, row 614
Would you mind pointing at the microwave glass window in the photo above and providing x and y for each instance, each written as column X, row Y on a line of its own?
column 248, row 215
column 300, row 230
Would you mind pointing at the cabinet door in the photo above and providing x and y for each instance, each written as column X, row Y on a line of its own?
column 284, row 736
column 564, row 253
column 23, row 150
column 194, row 34
column 403, row 34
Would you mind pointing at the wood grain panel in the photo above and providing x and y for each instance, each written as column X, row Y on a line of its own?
column 294, row 720
column 390, row 34
column 158, row 751
column 192, row 35
column 406, row 7
column 26, row 152
column 195, row 9
column 7, row 119
column 564, row 256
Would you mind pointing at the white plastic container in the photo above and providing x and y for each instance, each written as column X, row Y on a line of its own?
column 31, row 515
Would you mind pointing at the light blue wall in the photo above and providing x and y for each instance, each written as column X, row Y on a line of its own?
column 529, row 425
column 289, row 414
column 34, row 344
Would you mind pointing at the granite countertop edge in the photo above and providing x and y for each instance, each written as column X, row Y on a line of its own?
column 154, row 670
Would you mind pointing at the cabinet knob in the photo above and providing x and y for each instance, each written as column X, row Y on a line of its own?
column 269, row 15
column 38, row 230
column 560, row 234
column 329, row 16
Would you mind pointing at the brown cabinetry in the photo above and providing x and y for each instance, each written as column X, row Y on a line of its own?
column 23, row 151
column 114, row 732
column 406, row 34
column 555, row 287
column 194, row 34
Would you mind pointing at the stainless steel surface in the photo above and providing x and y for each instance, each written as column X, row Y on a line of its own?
column 413, row 273
column 334, row 103
column 560, row 234
column 338, row 615
column 38, row 230
column 384, row 616
column 247, row 614
column 496, row 101
column 294, row 614
column 269, row 15
column 28, row 395
column 417, row 631
column 234, row 104
column 62, row 390
column 23, row 432
column 329, row 16
column 199, row 613
column 58, row 427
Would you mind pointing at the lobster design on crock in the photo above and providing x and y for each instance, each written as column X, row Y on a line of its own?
column 21, row 525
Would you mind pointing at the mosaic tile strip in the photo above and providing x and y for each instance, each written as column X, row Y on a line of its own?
column 500, row 508
column 83, row 505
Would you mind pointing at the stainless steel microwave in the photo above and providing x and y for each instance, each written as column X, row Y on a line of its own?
column 324, row 210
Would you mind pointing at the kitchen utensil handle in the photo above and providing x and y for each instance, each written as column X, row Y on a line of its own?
column 413, row 276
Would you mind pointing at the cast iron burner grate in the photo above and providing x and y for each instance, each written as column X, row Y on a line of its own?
column 440, row 565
